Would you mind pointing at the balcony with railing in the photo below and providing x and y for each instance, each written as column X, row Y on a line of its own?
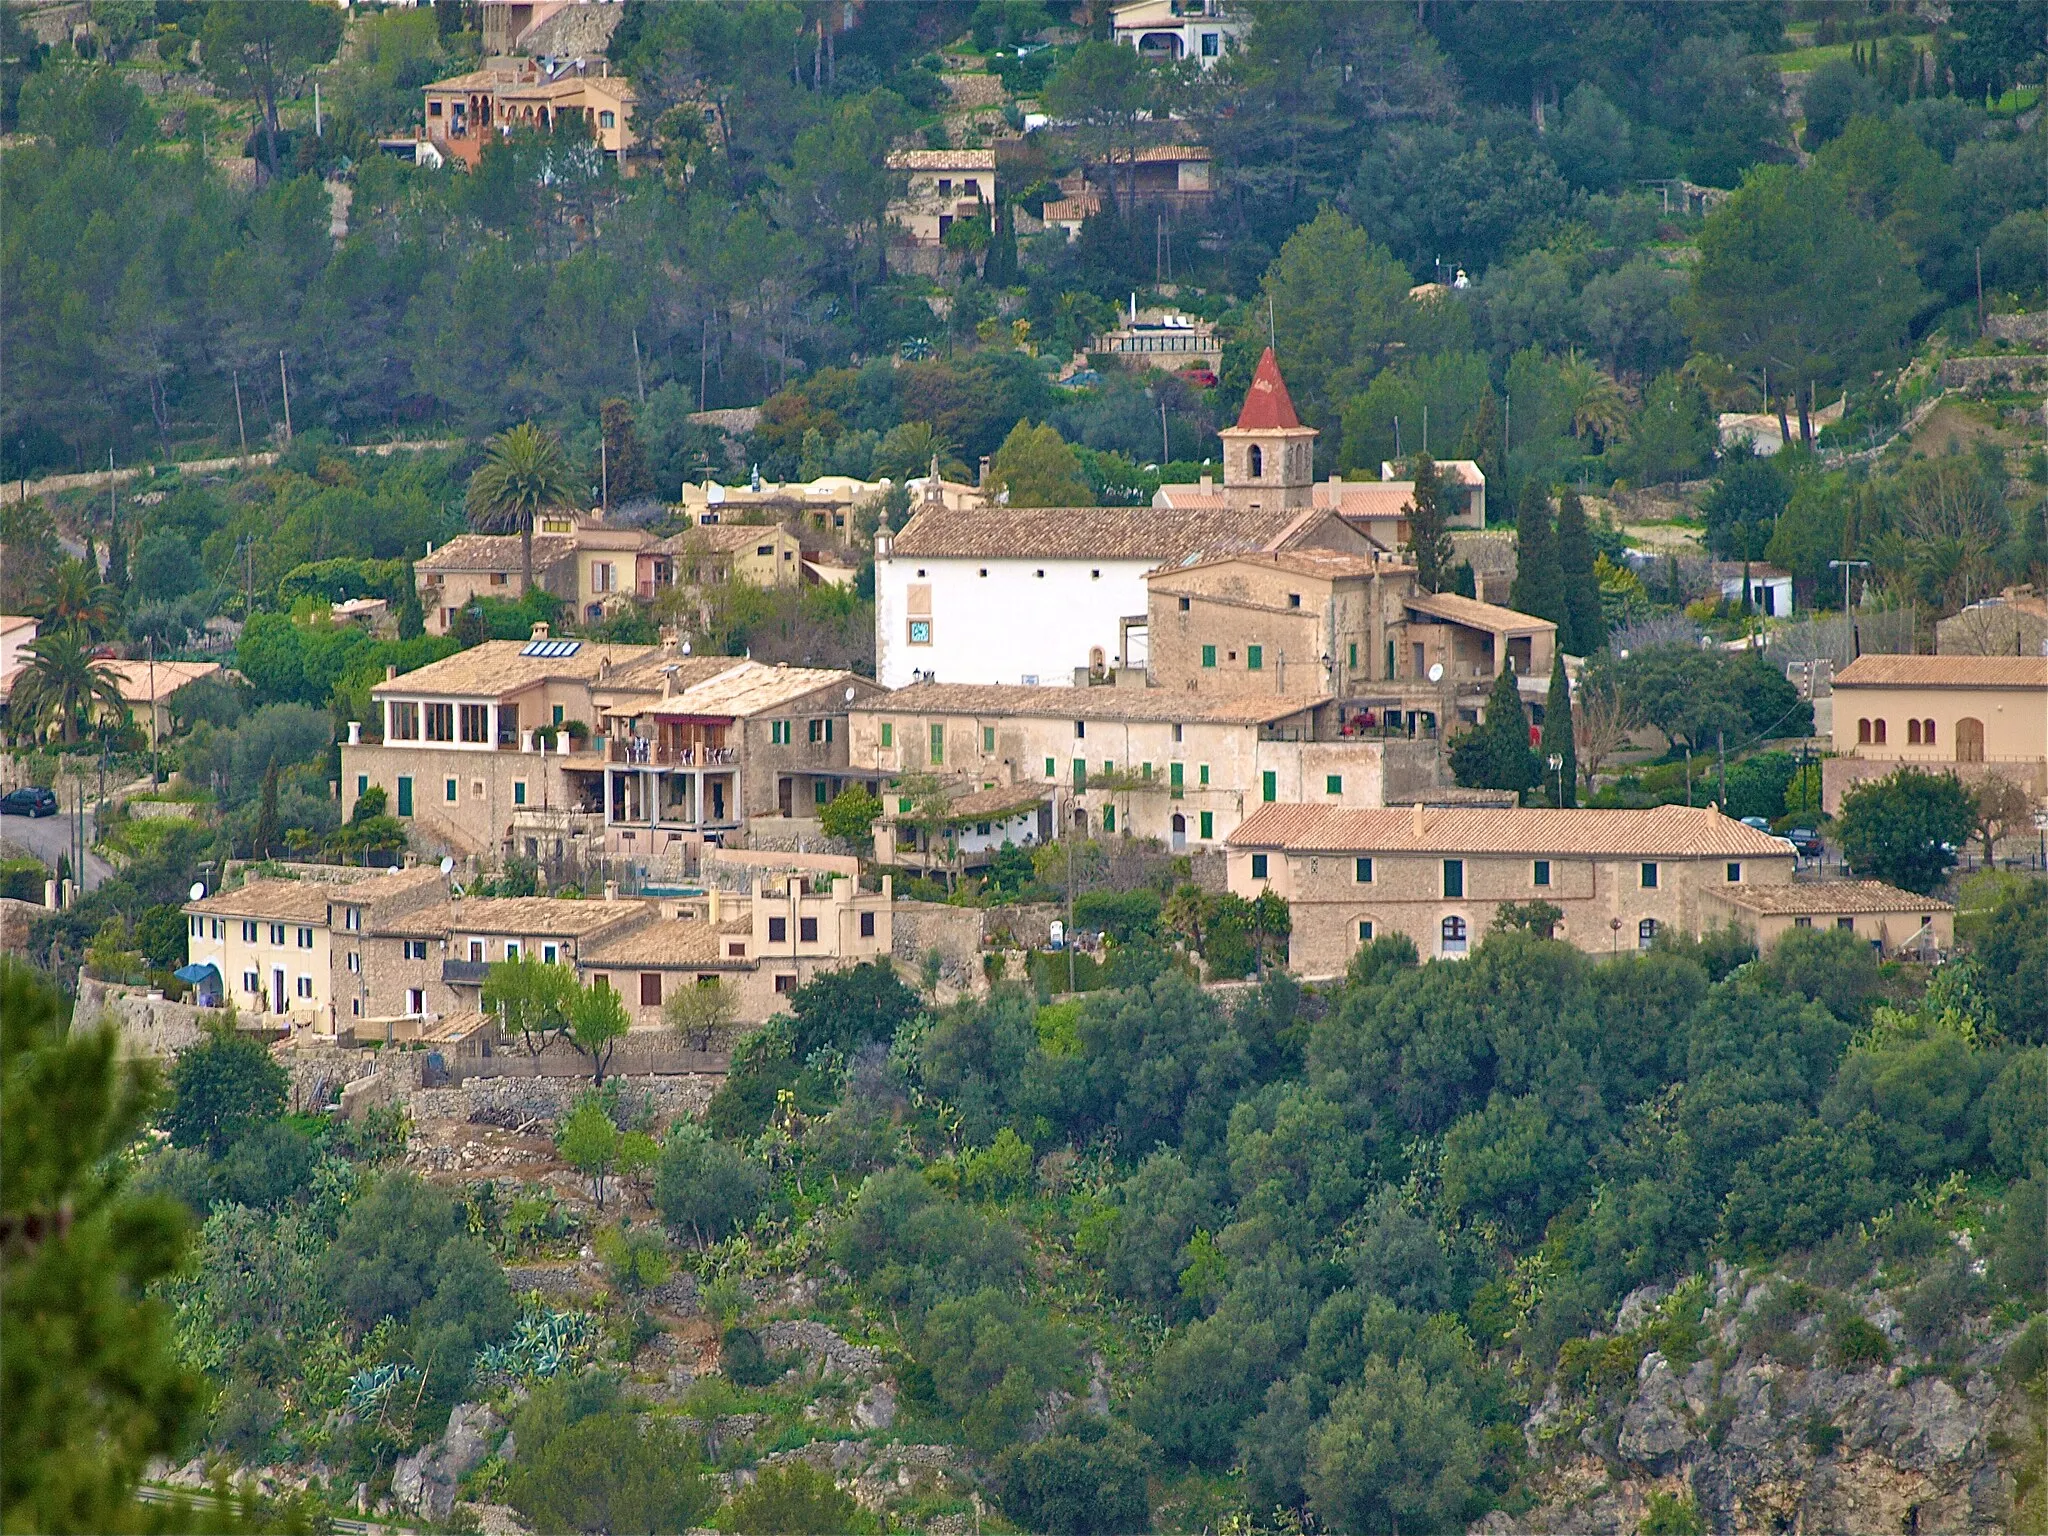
column 644, row 752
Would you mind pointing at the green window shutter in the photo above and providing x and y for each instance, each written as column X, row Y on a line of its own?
column 1258, row 866
column 1051, row 768
column 1205, row 775
column 903, row 805
column 1109, row 818
column 1080, row 775
column 362, row 783
column 1454, row 879
column 888, row 734
column 1208, row 824
column 1333, row 783
column 988, row 738
column 938, row 745
column 1254, row 658
column 1354, row 655
column 1269, row 786
column 558, row 714
column 818, row 790
column 448, row 790
column 1173, row 774
column 1208, row 655
column 1365, row 871
column 405, row 794
column 519, row 791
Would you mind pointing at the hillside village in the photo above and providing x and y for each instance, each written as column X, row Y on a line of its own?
column 1049, row 767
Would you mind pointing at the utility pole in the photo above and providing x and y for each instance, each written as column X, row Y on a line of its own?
column 1165, row 443
column 286, row 380
column 240, row 426
column 639, row 383
column 604, row 472
column 318, row 133
column 154, row 777
column 1722, row 747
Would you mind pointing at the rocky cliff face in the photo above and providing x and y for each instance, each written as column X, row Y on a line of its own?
column 1776, row 1418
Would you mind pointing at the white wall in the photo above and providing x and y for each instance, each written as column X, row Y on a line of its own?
column 1007, row 626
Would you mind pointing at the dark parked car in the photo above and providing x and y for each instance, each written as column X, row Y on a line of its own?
column 29, row 802
column 1805, row 841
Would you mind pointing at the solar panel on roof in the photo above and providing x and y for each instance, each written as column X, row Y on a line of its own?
column 551, row 648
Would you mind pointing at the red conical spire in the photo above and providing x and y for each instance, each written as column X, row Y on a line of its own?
column 1266, row 404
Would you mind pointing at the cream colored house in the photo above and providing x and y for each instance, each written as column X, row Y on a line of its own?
column 478, row 565
column 270, row 943
column 941, row 186
column 509, row 94
column 607, row 562
column 713, row 554
column 1440, row 875
column 1966, row 715
column 1167, row 31
column 1143, row 761
column 1892, row 921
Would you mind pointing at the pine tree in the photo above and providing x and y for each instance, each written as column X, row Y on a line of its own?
column 1584, row 629
column 1481, row 443
column 1495, row 753
column 1539, row 581
column 265, row 839
column 1429, row 541
column 1557, row 736
column 412, row 617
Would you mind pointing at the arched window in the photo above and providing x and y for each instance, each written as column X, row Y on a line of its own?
column 1863, row 733
column 1256, row 461
column 1454, row 936
column 1877, row 731
column 1646, row 933
column 1912, row 733
column 1926, row 733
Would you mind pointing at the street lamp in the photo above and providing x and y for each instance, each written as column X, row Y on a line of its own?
column 1557, row 772
column 1845, row 566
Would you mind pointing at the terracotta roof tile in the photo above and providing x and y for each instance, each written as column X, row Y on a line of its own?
column 498, row 667
column 1267, row 405
column 942, row 160
column 283, row 901
column 667, row 942
column 1819, row 898
column 1081, row 533
column 1472, row 613
column 1056, row 703
column 1944, row 672
column 1668, row 831
column 518, row 916
column 496, row 552
column 749, row 687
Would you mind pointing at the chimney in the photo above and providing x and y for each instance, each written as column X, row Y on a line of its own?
column 1419, row 823
column 984, row 470
column 390, row 671
column 540, row 631
column 611, row 890
column 717, row 902
column 1208, row 483
column 355, row 733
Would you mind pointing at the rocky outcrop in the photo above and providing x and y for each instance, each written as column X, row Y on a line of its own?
column 1762, row 1444
column 820, row 1350
column 424, row 1483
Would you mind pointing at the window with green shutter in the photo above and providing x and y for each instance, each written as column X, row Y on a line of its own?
column 405, row 794
column 1051, row 768
column 1109, row 818
column 1208, row 655
column 1364, row 871
column 1269, row 786
column 519, row 791
column 1454, row 879
column 1080, row 774
column 1258, row 866
column 1208, row 824
column 1333, row 783
column 1175, row 777
column 1254, row 657
column 938, row 745
column 1205, row 776
column 1354, row 655
column 888, row 734
column 988, row 738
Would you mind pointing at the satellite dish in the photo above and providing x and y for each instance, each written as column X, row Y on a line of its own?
column 1436, row 672
column 686, row 647
column 447, row 865
column 198, row 890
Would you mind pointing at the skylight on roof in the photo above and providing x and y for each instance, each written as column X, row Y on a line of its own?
column 551, row 648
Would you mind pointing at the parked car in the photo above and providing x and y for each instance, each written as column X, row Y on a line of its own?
column 1805, row 842
column 29, row 801
column 1758, row 822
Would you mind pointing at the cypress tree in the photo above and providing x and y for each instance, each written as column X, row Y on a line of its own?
column 1539, row 581
column 1429, row 541
column 1557, row 736
column 1584, row 629
column 1495, row 753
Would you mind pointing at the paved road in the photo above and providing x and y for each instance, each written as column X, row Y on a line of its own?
column 48, row 836
column 149, row 1493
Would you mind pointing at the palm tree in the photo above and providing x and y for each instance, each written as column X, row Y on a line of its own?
column 62, row 684
column 1598, row 407
column 78, row 599
column 524, row 473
